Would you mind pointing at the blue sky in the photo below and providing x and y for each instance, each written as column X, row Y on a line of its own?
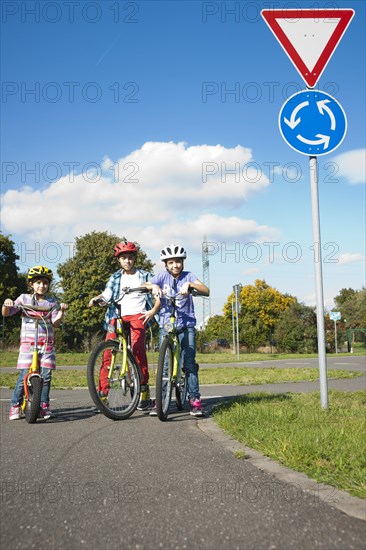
column 159, row 121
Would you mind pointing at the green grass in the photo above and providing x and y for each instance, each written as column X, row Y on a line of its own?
column 328, row 446
column 9, row 358
column 247, row 376
column 242, row 376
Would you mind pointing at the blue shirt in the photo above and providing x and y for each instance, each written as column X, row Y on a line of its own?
column 184, row 306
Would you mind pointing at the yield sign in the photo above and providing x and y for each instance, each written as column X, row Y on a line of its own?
column 309, row 37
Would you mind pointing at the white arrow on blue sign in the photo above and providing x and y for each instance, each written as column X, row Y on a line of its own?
column 335, row 315
column 312, row 122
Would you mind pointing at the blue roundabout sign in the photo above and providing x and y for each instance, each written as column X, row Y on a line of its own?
column 312, row 122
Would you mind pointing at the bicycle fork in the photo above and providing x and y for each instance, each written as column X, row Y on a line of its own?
column 33, row 369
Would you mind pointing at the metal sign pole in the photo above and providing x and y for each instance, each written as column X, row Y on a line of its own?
column 318, row 282
column 233, row 321
column 237, row 322
column 335, row 335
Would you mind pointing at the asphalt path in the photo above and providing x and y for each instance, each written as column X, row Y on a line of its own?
column 81, row 480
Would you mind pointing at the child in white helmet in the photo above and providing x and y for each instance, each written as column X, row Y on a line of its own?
column 177, row 281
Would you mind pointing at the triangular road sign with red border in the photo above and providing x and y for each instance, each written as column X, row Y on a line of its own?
column 309, row 37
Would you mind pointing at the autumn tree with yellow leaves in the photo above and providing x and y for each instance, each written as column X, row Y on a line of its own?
column 260, row 307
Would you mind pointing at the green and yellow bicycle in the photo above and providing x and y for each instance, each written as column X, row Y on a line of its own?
column 170, row 372
column 113, row 359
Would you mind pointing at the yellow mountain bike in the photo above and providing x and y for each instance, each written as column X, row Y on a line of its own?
column 170, row 372
column 114, row 360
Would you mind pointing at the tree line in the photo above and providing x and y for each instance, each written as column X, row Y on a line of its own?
column 266, row 318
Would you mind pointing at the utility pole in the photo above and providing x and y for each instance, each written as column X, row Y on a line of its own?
column 206, row 301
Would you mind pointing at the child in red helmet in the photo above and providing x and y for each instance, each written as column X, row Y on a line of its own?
column 137, row 310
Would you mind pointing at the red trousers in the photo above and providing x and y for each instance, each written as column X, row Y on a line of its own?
column 137, row 335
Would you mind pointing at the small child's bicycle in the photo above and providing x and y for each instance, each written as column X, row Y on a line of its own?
column 123, row 372
column 33, row 381
column 170, row 372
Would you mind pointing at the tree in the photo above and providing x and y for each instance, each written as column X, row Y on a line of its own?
column 296, row 330
column 352, row 305
column 260, row 308
column 84, row 276
column 218, row 327
column 9, row 279
column 252, row 332
column 11, row 285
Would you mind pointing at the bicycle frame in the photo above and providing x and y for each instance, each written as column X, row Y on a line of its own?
column 172, row 334
column 124, row 346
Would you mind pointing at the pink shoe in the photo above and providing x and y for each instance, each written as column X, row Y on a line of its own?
column 14, row 412
column 44, row 411
column 196, row 407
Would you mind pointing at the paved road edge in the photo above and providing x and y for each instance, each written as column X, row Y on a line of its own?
column 350, row 505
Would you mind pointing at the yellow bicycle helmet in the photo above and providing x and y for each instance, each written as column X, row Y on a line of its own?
column 40, row 271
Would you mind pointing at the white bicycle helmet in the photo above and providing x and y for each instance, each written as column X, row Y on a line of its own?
column 173, row 251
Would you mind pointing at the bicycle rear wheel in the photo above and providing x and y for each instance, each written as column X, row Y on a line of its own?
column 123, row 393
column 181, row 391
column 164, row 382
column 33, row 403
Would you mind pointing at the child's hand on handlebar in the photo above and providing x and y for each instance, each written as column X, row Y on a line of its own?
column 156, row 291
column 184, row 291
column 93, row 301
column 8, row 303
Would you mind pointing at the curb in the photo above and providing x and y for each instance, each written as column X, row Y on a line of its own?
column 350, row 505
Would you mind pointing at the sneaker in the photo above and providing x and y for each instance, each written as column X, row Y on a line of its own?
column 196, row 407
column 103, row 397
column 44, row 411
column 14, row 412
column 145, row 403
column 153, row 411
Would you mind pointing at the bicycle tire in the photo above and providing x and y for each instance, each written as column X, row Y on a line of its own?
column 181, row 391
column 34, row 399
column 124, row 391
column 164, row 382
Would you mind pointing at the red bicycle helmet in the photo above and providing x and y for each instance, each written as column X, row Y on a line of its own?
column 123, row 247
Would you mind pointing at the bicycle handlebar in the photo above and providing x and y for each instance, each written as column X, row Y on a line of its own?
column 191, row 290
column 142, row 289
column 36, row 309
column 125, row 290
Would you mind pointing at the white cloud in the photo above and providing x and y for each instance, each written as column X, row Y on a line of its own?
column 252, row 271
column 158, row 192
column 349, row 258
column 352, row 165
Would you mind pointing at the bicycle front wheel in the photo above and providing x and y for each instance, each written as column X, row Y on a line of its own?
column 122, row 387
column 164, row 379
column 33, row 403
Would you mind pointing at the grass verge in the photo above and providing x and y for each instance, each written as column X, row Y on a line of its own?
column 328, row 446
column 242, row 376
column 70, row 359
